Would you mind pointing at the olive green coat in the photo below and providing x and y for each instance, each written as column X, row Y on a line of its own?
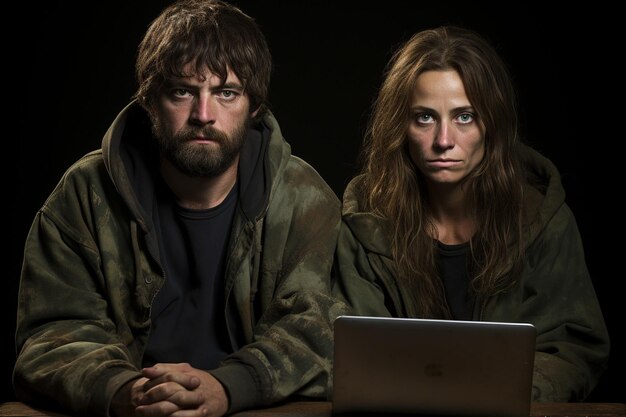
column 92, row 268
column 554, row 290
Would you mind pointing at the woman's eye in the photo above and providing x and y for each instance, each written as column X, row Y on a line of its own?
column 466, row 118
column 424, row 118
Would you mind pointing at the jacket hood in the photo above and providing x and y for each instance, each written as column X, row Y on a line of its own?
column 543, row 196
column 131, row 157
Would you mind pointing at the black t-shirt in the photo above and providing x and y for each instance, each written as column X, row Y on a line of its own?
column 453, row 270
column 188, row 313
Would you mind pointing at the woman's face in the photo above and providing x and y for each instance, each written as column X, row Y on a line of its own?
column 446, row 141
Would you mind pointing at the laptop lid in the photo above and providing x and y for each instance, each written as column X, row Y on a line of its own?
column 432, row 367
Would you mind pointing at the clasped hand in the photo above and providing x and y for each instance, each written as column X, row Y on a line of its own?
column 178, row 390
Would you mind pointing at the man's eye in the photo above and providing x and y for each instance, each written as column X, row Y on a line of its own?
column 180, row 92
column 228, row 94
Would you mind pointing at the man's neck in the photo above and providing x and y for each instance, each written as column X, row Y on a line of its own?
column 199, row 193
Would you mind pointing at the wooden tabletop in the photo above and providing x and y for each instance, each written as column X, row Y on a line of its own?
column 324, row 409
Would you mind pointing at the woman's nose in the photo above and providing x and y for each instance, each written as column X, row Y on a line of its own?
column 444, row 138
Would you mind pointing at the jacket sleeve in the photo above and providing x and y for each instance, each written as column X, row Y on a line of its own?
column 290, row 354
column 69, row 353
column 356, row 281
column 556, row 295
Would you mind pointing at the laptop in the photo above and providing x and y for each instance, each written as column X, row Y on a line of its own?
column 432, row 367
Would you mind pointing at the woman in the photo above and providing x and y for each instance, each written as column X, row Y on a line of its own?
column 452, row 217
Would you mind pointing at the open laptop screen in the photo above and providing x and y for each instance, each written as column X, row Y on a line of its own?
column 436, row 367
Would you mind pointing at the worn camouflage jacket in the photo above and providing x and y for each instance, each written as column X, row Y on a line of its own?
column 92, row 268
column 553, row 291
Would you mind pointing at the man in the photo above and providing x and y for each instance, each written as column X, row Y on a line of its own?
column 185, row 265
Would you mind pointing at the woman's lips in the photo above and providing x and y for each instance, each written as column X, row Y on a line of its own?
column 444, row 163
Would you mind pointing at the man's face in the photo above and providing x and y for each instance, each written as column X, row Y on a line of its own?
column 201, row 122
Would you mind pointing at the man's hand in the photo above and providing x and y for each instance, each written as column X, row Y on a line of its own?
column 128, row 398
column 173, row 387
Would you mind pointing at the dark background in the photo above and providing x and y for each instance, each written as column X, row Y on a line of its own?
column 69, row 71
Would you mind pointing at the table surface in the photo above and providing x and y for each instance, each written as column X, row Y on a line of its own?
column 324, row 409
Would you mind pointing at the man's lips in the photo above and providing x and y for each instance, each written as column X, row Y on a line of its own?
column 203, row 139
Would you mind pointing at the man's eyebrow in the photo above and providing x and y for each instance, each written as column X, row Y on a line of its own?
column 178, row 81
column 231, row 85
column 185, row 82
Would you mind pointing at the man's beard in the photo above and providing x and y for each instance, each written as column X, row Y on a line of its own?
column 200, row 160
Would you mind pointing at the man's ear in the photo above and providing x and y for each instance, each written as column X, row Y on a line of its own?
column 254, row 113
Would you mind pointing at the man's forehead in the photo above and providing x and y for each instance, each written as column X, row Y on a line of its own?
column 191, row 72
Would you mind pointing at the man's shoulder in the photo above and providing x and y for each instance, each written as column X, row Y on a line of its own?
column 88, row 170
column 301, row 177
column 305, row 171
column 85, row 176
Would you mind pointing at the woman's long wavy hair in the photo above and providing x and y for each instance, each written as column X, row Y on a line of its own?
column 392, row 187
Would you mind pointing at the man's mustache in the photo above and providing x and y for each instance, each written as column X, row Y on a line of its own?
column 208, row 132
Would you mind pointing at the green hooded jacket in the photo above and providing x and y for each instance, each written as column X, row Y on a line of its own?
column 553, row 291
column 92, row 268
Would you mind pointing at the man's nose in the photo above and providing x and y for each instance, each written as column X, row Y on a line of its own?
column 203, row 111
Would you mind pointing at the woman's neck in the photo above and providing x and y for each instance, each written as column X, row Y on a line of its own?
column 452, row 213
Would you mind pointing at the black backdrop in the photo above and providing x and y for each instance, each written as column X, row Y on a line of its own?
column 70, row 70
